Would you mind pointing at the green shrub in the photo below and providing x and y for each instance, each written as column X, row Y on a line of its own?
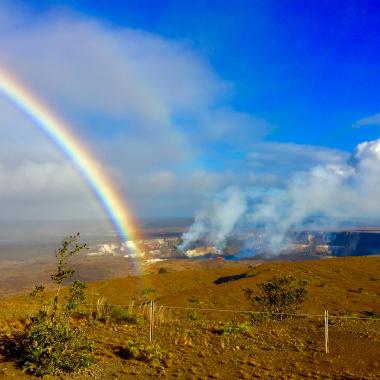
column 49, row 347
column 50, row 343
column 148, row 353
column 279, row 295
column 234, row 328
column 122, row 315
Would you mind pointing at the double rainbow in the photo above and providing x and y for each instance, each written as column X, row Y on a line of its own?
column 59, row 133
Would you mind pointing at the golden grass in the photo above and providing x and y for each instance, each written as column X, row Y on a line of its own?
column 292, row 348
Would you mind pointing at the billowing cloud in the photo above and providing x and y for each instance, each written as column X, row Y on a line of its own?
column 121, row 90
column 151, row 109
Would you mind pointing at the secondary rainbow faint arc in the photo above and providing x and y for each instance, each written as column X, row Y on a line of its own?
column 90, row 170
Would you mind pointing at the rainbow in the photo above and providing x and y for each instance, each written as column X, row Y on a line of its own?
column 90, row 170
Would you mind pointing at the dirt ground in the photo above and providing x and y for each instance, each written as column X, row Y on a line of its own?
column 200, row 344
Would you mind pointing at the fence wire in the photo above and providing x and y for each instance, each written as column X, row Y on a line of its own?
column 157, row 306
column 92, row 307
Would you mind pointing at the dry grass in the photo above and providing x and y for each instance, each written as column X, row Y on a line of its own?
column 292, row 348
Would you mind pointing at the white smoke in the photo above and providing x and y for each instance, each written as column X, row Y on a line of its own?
column 215, row 223
column 328, row 194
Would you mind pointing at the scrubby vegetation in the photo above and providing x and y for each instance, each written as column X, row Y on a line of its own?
column 192, row 315
column 148, row 353
column 121, row 314
column 107, row 313
column 150, row 293
column 49, row 347
column 50, row 344
column 243, row 328
column 279, row 295
column 206, row 331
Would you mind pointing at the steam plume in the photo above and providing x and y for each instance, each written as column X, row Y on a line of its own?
column 217, row 222
column 329, row 194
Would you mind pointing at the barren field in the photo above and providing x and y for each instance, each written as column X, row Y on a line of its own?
column 202, row 334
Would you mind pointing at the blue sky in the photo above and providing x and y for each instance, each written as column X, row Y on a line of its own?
column 310, row 68
column 216, row 94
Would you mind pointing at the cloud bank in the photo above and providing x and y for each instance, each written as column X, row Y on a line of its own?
column 145, row 105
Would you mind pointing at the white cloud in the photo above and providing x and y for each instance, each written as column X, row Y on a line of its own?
column 121, row 91
column 163, row 180
column 369, row 120
column 35, row 180
column 279, row 157
column 240, row 127
column 148, row 107
column 85, row 66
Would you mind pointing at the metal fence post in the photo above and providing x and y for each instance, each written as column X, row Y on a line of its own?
column 151, row 321
column 326, row 331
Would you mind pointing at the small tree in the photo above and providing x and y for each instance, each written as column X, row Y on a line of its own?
column 280, row 295
column 69, row 247
column 50, row 344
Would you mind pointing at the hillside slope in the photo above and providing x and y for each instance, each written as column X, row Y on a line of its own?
column 201, row 344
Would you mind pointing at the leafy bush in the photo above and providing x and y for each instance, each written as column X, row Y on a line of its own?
column 151, row 353
column 50, row 348
column 279, row 295
column 50, row 344
column 122, row 315
column 234, row 328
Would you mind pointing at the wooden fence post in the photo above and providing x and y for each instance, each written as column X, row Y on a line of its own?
column 326, row 331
